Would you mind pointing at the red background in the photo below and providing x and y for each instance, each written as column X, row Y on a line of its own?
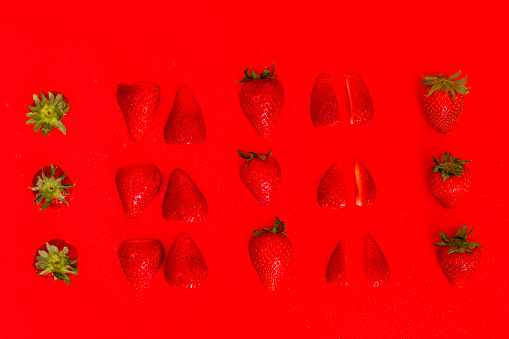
column 84, row 51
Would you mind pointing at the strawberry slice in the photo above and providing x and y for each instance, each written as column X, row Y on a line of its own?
column 337, row 267
column 361, row 106
column 324, row 104
column 332, row 191
column 365, row 189
column 378, row 267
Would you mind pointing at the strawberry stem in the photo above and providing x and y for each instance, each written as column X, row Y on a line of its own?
column 50, row 188
column 278, row 224
column 47, row 113
column 444, row 84
column 58, row 263
column 251, row 155
column 449, row 166
column 266, row 74
column 458, row 243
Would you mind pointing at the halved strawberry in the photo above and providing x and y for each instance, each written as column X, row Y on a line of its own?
column 324, row 104
column 378, row 267
column 361, row 106
column 332, row 191
column 365, row 188
column 337, row 272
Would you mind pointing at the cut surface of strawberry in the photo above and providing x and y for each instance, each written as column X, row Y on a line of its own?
column 365, row 188
column 361, row 106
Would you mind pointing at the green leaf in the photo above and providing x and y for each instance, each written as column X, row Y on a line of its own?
column 36, row 100
column 265, row 73
column 61, row 127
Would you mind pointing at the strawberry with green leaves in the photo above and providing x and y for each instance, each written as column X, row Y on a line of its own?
column 449, row 180
column 47, row 112
column 52, row 185
column 332, row 190
column 56, row 260
column 140, row 260
column 361, row 106
column 442, row 100
column 270, row 251
column 324, row 104
column 261, row 99
column 378, row 267
column 458, row 257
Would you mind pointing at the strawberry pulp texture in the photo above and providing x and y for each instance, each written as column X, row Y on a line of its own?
column 140, row 260
column 332, row 190
column 378, row 267
column 52, row 185
column 55, row 260
column 365, row 188
column 361, row 105
column 324, row 103
column 47, row 112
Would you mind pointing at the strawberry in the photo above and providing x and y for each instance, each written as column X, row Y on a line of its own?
column 449, row 180
column 378, row 267
column 332, row 191
column 261, row 99
column 52, row 185
column 365, row 189
column 140, row 260
column 55, row 260
column 261, row 175
column 138, row 103
column 185, row 124
column 46, row 113
column 443, row 102
column 270, row 251
column 324, row 104
column 458, row 257
column 361, row 106
column 137, row 186
column 337, row 272
column 183, row 200
column 185, row 265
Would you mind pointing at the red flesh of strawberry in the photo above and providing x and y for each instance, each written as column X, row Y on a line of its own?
column 365, row 188
column 361, row 106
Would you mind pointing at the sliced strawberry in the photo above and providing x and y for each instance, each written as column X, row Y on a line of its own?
column 324, row 104
column 337, row 272
column 365, row 189
column 361, row 106
column 378, row 267
column 332, row 191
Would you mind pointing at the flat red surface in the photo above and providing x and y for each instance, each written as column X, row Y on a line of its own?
column 84, row 51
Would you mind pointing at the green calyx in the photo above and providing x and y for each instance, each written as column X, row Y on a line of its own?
column 449, row 166
column 266, row 74
column 450, row 84
column 459, row 243
column 277, row 225
column 47, row 113
column 56, row 262
column 251, row 155
column 50, row 188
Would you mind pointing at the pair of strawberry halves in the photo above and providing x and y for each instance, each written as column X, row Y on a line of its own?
column 332, row 192
column 339, row 267
column 138, row 103
column 324, row 103
column 141, row 259
column 138, row 185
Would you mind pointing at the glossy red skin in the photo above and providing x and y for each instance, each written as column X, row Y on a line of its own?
column 185, row 124
column 60, row 244
column 337, row 272
column 441, row 109
column 138, row 103
column 361, row 105
column 261, row 177
column 185, row 265
column 270, row 255
column 261, row 101
column 449, row 192
column 140, row 260
column 137, row 186
column 183, row 200
column 365, row 188
column 56, row 204
column 332, row 189
column 324, row 103
column 378, row 267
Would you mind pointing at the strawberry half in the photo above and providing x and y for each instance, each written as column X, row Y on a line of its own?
column 270, row 251
column 46, row 113
column 365, row 188
column 337, row 272
column 52, row 185
column 185, row 124
column 137, row 186
column 324, row 104
column 449, row 180
column 261, row 175
column 55, row 260
column 442, row 100
column 378, row 267
column 185, row 265
column 458, row 257
column 332, row 191
column 183, row 200
column 261, row 99
column 140, row 260
column 138, row 103
column 361, row 106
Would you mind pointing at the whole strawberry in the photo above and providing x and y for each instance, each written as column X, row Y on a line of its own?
column 261, row 99
column 47, row 112
column 332, row 191
column 140, row 260
column 55, row 260
column 183, row 200
column 324, row 104
column 378, row 267
column 52, row 185
column 458, row 257
column 138, row 103
column 270, row 251
column 261, row 175
column 337, row 269
column 185, row 265
column 365, row 188
column 137, row 186
column 361, row 106
column 449, row 180
column 185, row 124
column 442, row 100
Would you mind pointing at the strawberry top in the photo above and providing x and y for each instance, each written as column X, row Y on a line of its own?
column 458, row 243
column 444, row 84
column 449, row 167
column 56, row 259
column 47, row 113
column 53, row 186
